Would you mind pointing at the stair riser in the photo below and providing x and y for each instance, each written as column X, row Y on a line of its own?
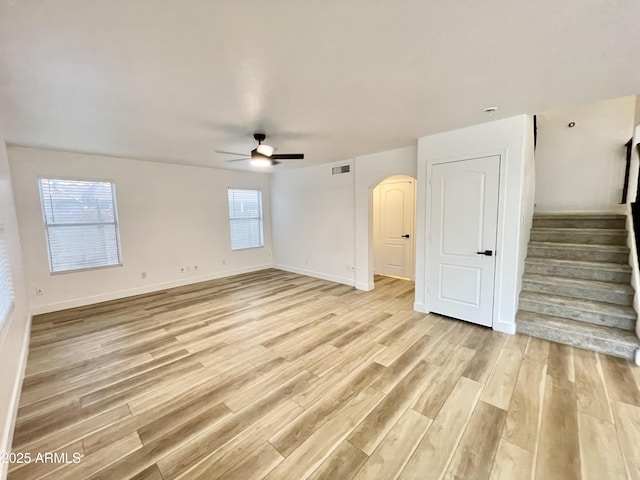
column 614, row 223
column 580, row 273
column 598, row 295
column 578, row 254
column 582, row 238
column 595, row 318
column 577, row 340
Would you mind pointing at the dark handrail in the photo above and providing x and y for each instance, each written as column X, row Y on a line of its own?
column 627, row 168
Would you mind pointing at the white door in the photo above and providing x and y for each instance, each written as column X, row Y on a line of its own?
column 464, row 215
column 396, row 219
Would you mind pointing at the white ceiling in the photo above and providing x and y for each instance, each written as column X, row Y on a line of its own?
column 174, row 80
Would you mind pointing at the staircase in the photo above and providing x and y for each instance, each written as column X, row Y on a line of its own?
column 576, row 287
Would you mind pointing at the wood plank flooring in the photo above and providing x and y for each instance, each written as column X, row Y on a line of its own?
column 280, row 376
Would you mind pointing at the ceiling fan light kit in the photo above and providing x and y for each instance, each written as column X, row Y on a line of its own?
column 266, row 150
column 261, row 162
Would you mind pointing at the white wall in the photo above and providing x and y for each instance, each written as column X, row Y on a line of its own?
column 323, row 223
column 170, row 216
column 14, row 333
column 581, row 169
column 528, row 197
column 371, row 170
column 510, row 138
column 313, row 214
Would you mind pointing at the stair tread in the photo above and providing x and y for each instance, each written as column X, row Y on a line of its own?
column 616, row 267
column 579, row 283
column 599, row 231
column 577, row 327
column 604, row 216
column 579, row 304
column 586, row 246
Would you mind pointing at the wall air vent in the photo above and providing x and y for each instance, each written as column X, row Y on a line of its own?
column 341, row 169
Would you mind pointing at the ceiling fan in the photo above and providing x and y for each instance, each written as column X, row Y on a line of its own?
column 263, row 155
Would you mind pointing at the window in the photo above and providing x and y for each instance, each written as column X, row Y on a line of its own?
column 6, row 284
column 245, row 218
column 81, row 223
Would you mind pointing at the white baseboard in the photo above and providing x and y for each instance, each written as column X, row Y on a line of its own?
column 81, row 302
column 505, row 327
column 365, row 286
column 323, row 276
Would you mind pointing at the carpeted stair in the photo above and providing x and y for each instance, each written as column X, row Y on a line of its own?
column 576, row 287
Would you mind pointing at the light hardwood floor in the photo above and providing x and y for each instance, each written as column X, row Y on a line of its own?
column 280, row 376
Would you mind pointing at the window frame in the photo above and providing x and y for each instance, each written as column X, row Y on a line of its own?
column 116, row 223
column 260, row 218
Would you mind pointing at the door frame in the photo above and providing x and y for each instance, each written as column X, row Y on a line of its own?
column 401, row 177
column 367, row 273
column 500, row 240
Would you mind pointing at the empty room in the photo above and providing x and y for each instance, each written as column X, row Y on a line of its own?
column 319, row 240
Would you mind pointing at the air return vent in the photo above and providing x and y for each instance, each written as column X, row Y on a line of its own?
column 341, row 169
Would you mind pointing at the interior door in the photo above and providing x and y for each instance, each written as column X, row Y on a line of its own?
column 396, row 221
column 464, row 216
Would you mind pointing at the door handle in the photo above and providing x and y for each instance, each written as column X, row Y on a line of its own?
column 488, row 253
column 406, row 235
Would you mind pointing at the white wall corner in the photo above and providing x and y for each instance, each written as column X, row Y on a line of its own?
column 420, row 307
column 365, row 286
column 633, row 261
column 16, row 387
column 505, row 327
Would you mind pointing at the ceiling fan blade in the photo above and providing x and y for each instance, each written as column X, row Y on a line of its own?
column 230, row 153
column 287, row 156
column 237, row 160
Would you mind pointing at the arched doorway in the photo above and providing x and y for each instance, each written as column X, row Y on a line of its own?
column 393, row 227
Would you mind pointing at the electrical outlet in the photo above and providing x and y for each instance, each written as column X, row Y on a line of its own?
column 143, row 275
column 39, row 291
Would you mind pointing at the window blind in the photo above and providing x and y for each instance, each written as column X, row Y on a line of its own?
column 245, row 218
column 6, row 284
column 81, row 224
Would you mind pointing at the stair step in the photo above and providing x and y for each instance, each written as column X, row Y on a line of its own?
column 611, row 341
column 580, row 252
column 589, row 236
column 617, row 293
column 588, row 311
column 600, row 271
column 579, row 221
